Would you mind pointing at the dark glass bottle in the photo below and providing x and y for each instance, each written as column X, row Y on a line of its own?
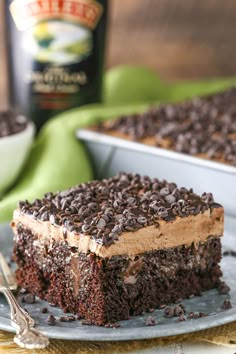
column 56, row 54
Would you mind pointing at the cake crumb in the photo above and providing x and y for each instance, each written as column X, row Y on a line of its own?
column 181, row 318
column 112, row 325
column 150, row 321
column 29, row 299
column 44, row 310
column 169, row 312
column 226, row 305
column 51, row 320
column 191, row 314
column 179, row 310
column 67, row 318
column 203, row 314
column 223, row 288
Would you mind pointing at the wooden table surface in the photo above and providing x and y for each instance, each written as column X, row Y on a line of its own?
column 179, row 39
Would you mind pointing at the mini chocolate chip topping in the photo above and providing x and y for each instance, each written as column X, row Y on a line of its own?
column 67, row 318
column 226, row 305
column 11, row 123
column 124, row 203
column 201, row 126
column 29, row 299
column 150, row 321
column 44, row 310
column 51, row 320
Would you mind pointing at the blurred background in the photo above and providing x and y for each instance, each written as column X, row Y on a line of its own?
column 179, row 39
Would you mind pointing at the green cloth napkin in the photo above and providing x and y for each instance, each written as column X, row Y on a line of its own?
column 58, row 160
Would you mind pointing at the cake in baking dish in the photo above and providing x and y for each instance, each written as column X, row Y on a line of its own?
column 203, row 127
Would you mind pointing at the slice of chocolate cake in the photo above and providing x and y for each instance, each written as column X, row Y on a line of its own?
column 204, row 127
column 118, row 247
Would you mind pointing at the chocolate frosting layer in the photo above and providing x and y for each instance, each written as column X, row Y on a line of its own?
column 181, row 231
column 127, row 203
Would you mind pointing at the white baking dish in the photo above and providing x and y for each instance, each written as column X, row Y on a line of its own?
column 110, row 155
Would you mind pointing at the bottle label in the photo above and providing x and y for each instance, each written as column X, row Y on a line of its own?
column 59, row 56
column 26, row 13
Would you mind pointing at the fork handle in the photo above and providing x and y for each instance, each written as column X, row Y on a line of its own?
column 19, row 317
column 27, row 336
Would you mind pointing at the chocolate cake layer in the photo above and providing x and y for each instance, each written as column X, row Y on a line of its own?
column 106, row 290
column 204, row 127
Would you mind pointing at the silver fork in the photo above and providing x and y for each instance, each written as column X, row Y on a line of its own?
column 26, row 336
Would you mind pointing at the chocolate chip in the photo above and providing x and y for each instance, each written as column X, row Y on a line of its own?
column 101, row 223
column 164, row 191
column 112, row 325
column 105, row 190
column 170, row 199
column 191, row 315
column 117, row 203
column 67, row 318
column 131, row 201
column 29, row 299
column 45, row 216
column 51, row 320
column 226, row 305
column 142, row 220
column 117, row 229
column 64, row 204
column 150, row 321
column 181, row 202
column 162, row 212
column 169, row 312
column 230, row 253
column 196, row 315
column 109, row 212
column 35, row 214
column 202, row 314
column 178, row 310
column 207, row 197
column 151, row 310
column 92, row 206
column 162, row 306
column 86, row 228
column 223, row 288
column 44, row 310
column 183, row 307
column 181, row 318
column 48, row 196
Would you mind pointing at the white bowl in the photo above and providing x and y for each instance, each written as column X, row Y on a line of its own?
column 13, row 152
